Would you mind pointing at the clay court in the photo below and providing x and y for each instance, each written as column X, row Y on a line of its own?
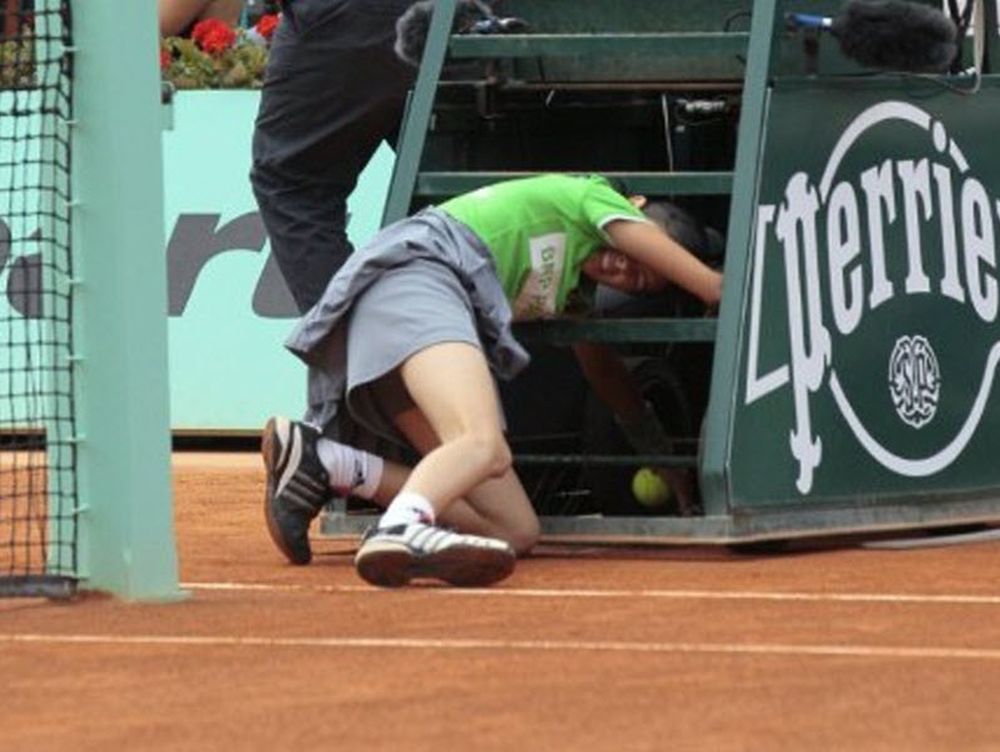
column 584, row 648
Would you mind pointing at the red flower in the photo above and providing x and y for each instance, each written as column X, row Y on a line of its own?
column 267, row 24
column 165, row 58
column 213, row 36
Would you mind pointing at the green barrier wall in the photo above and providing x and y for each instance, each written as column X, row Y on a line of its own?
column 871, row 323
column 229, row 309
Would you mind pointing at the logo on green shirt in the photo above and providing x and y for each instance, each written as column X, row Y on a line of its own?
column 538, row 294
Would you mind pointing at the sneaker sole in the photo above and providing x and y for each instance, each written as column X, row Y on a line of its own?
column 393, row 565
column 274, row 447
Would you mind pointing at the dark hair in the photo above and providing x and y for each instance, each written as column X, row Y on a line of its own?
column 682, row 227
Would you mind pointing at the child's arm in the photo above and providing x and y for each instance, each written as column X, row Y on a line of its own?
column 648, row 245
column 611, row 380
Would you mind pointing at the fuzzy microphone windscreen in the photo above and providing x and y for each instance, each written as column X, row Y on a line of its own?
column 413, row 26
column 896, row 35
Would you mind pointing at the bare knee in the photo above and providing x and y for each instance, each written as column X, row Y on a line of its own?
column 488, row 451
column 521, row 533
column 523, row 538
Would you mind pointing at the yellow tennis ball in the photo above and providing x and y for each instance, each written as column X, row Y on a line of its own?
column 649, row 489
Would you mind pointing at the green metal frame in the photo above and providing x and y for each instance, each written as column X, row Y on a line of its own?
column 623, row 331
column 670, row 46
column 126, row 529
column 418, row 114
column 718, row 422
column 684, row 183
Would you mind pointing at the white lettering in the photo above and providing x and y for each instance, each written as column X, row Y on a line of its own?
column 978, row 243
column 877, row 185
column 538, row 295
column 844, row 246
column 951, row 284
column 862, row 277
column 809, row 358
column 758, row 386
column 915, row 178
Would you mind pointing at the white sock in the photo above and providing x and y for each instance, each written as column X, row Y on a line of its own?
column 351, row 470
column 406, row 508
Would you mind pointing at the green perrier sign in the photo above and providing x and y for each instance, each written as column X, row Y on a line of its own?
column 870, row 345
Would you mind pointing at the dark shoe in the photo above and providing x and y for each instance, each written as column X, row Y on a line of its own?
column 297, row 486
column 392, row 556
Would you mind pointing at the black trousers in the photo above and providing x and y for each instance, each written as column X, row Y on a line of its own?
column 333, row 91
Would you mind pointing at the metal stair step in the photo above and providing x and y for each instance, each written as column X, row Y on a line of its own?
column 609, row 460
column 650, row 183
column 567, row 331
column 669, row 45
column 677, row 56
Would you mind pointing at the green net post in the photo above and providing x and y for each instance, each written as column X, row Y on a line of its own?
column 126, row 536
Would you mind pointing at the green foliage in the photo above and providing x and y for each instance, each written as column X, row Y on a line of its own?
column 239, row 67
column 17, row 63
column 181, row 62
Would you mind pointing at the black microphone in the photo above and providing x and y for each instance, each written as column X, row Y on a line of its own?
column 471, row 17
column 889, row 34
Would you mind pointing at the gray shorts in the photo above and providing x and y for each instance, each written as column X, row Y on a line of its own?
column 408, row 308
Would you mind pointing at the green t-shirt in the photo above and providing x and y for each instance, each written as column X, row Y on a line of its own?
column 540, row 230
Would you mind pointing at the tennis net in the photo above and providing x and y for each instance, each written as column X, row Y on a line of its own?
column 38, row 551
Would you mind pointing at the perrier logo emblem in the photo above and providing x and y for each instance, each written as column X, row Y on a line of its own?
column 914, row 380
column 889, row 264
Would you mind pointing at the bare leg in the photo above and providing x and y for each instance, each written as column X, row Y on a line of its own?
column 451, row 386
column 465, row 473
column 501, row 510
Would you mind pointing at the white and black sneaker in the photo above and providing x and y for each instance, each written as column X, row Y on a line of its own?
column 392, row 556
column 297, row 485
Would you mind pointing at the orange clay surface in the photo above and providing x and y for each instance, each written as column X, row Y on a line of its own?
column 584, row 648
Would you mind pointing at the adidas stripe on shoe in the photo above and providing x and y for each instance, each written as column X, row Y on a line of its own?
column 392, row 556
column 296, row 488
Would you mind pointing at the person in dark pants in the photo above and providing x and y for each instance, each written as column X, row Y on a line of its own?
column 333, row 91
